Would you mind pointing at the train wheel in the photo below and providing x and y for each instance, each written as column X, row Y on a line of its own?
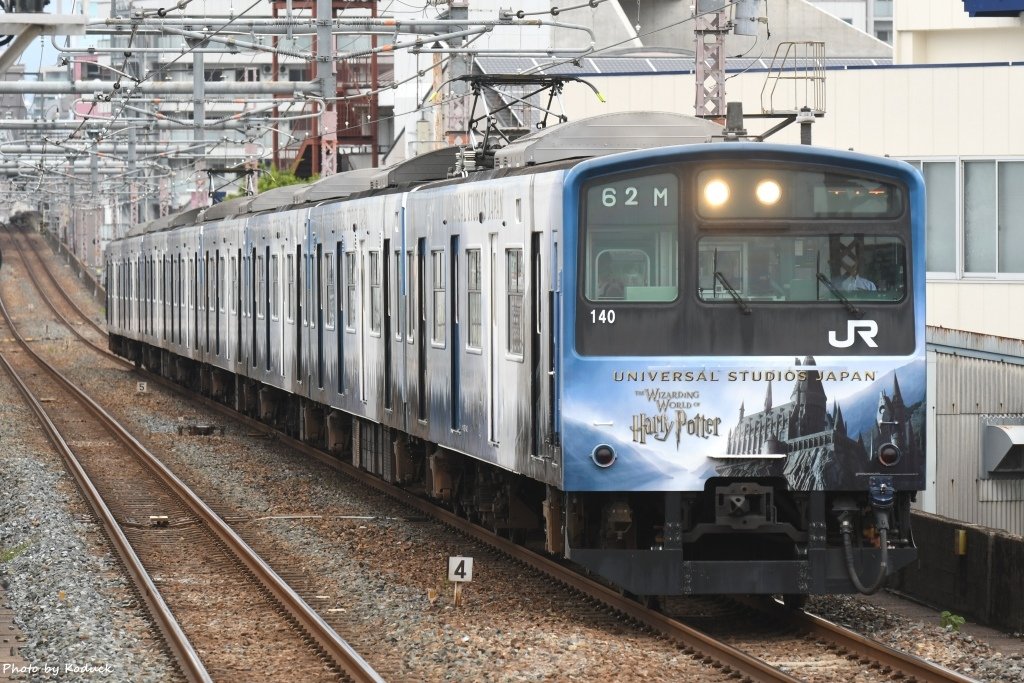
column 794, row 600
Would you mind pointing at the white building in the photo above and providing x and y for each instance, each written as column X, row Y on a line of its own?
column 874, row 17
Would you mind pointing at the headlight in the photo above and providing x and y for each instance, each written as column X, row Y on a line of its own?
column 768, row 192
column 716, row 193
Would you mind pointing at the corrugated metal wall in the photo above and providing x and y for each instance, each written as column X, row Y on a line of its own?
column 977, row 377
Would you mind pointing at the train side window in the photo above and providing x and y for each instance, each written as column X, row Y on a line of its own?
column 289, row 266
column 515, row 283
column 329, row 283
column 351, row 299
column 275, row 291
column 260, row 284
column 410, row 298
column 234, row 285
column 395, row 298
column 220, row 285
column 437, row 282
column 474, row 299
column 375, row 292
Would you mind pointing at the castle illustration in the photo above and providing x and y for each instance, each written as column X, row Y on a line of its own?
column 816, row 450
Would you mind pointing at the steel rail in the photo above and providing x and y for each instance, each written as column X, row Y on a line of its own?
column 22, row 248
column 913, row 667
column 181, row 648
column 347, row 659
column 49, row 302
column 728, row 658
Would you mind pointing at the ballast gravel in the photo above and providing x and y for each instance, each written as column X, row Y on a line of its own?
column 75, row 608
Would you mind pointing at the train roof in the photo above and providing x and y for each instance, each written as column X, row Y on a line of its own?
column 591, row 137
column 229, row 208
column 278, row 198
column 605, row 134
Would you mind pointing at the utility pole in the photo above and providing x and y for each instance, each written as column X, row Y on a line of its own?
column 202, row 195
column 711, row 26
column 326, row 76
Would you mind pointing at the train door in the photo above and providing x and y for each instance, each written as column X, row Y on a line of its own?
column 218, row 304
column 455, row 374
column 341, row 323
column 265, row 305
column 150, row 294
column 360, row 246
column 236, row 301
column 421, row 341
column 194, row 284
column 300, row 316
column 536, row 346
column 386, row 334
column 165, row 292
column 330, row 319
column 251, row 305
column 181, row 295
column 319, row 307
column 493, row 352
column 207, row 282
column 275, row 317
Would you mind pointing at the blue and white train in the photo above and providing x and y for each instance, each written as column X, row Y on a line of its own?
column 688, row 365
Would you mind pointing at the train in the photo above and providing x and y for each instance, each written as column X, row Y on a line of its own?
column 686, row 364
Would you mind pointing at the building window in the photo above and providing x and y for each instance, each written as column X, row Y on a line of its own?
column 437, row 260
column 989, row 223
column 1011, row 217
column 515, row 281
column 980, row 217
column 940, row 240
column 474, row 299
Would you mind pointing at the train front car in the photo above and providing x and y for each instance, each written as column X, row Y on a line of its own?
column 743, row 368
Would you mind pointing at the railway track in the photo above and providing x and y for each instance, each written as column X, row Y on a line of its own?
column 785, row 646
column 223, row 612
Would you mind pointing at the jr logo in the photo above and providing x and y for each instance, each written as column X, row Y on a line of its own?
column 867, row 329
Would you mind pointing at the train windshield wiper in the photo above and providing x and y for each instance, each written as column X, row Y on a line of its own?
column 733, row 293
column 854, row 311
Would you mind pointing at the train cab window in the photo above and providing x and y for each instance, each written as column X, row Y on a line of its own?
column 331, row 297
column 801, row 268
column 351, row 298
column 375, row 292
column 631, row 247
column 437, row 284
column 474, row 299
column 515, row 282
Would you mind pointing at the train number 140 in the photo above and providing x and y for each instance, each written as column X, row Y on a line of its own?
column 604, row 316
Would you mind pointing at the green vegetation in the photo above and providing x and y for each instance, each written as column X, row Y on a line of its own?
column 9, row 554
column 271, row 178
column 950, row 621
